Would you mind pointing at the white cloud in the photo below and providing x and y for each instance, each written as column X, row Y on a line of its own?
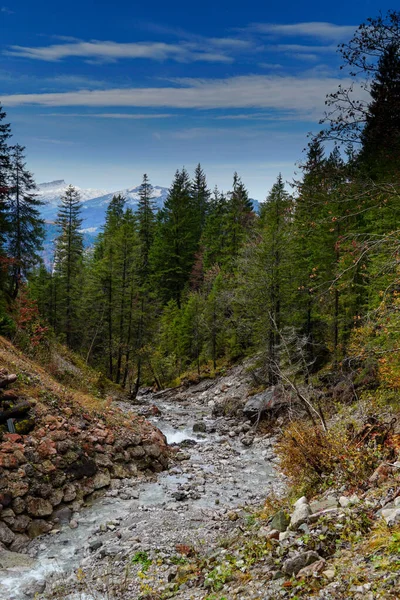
column 111, row 115
column 104, row 51
column 251, row 91
column 6, row 10
column 314, row 29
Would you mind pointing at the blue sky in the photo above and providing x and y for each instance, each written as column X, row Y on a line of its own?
column 101, row 92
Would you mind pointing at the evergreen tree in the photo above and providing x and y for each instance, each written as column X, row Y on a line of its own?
column 68, row 265
column 26, row 227
column 313, row 254
column 146, row 220
column 175, row 244
column 201, row 197
column 239, row 217
column 214, row 238
column 146, row 228
column 265, row 280
column 5, row 134
column 381, row 135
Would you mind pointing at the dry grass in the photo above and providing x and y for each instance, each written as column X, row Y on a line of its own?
column 38, row 382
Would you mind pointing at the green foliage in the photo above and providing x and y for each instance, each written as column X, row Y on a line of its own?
column 142, row 559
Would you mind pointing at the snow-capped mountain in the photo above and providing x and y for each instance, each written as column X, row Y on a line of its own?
column 94, row 202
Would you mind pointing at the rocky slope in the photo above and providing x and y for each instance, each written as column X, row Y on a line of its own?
column 64, row 446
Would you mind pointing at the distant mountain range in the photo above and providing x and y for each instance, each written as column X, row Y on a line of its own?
column 94, row 206
column 94, row 202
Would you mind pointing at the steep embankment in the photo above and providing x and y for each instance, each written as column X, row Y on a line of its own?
column 67, row 445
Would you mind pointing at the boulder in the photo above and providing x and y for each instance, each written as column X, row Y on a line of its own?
column 152, row 450
column 20, row 543
column 292, row 566
column 200, row 427
column 391, row 516
column 38, row 507
column 69, row 492
column 300, row 515
column 6, row 535
column 38, row 527
column 62, row 514
column 280, row 521
column 101, row 479
column 21, row 523
column 258, row 404
column 314, row 569
column 13, row 560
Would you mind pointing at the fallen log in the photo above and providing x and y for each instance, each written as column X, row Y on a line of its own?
column 15, row 411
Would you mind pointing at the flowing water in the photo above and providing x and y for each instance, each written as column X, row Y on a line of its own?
column 221, row 471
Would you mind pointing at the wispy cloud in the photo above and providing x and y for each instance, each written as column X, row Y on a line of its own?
column 111, row 115
column 6, row 10
column 313, row 29
column 107, row 51
column 310, row 116
column 251, row 91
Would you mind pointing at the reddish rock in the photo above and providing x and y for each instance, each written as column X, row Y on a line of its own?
column 12, row 437
column 59, row 436
column 47, row 448
column 8, row 461
column 38, row 507
column 17, row 488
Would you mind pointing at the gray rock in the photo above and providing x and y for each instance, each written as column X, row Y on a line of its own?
column 391, row 516
column 6, row 535
column 280, row 521
column 34, row 588
column 329, row 512
column 292, row 566
column 199, row 426
column 63, row 514
column 95, row 545
column 101, row 479
column 12, row 560
column 21, row 541
column 300, row 515
column 258, row 404
column 329, row 502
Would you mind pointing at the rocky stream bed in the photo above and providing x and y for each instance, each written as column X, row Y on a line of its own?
column 219, row 466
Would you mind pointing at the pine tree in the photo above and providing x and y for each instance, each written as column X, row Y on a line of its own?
column 5, row 134
column 146, row 220
column 175, row 244
column 26, row 227
column 313, row 254
column 146, row 229
column 68, row 264
column 239, row 217
column 381, row 135
column 265, row 277
column 201, row 197
column 214, row 238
